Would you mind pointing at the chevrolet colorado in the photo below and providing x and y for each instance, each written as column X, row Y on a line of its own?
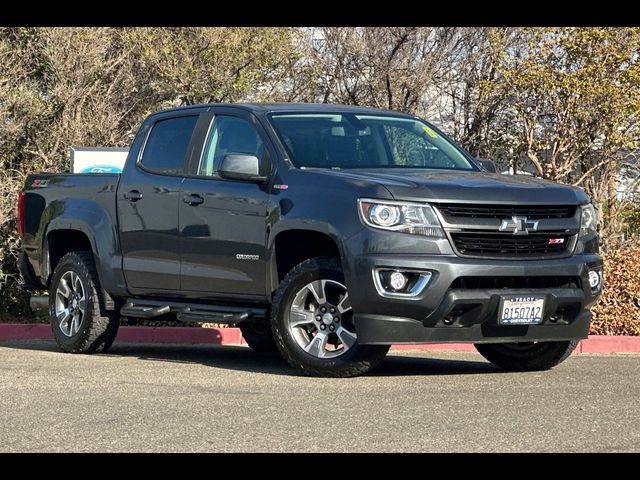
column 326, row 232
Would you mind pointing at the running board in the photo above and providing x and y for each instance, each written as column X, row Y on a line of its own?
column 143, row 311
column 189, row 312
column 214, row 317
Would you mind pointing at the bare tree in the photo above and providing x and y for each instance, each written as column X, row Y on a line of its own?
column 390, row 67
column 472, row 100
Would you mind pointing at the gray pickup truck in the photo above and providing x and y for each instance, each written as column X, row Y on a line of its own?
column 326, row 232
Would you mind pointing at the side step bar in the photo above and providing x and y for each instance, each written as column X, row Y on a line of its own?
column 143, row 311
column 215, row 317
column 189, row 312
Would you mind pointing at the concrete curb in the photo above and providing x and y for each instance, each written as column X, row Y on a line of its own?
column 232, row 336
column 216, row 336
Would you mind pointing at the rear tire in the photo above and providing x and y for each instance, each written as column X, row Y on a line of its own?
column 78, row 321
column 312, row 322
column 258, row 336
column 527, row 356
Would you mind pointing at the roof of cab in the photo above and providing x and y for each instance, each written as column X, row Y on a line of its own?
column 262, row 108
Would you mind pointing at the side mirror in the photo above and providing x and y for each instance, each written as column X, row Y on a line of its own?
column 488, row 164
column 241, row 166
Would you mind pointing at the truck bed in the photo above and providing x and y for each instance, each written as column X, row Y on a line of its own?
column 58, row 201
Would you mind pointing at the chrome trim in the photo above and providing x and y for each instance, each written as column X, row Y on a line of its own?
column 521, row 225
column 562, row 226
column 399, row 227
column 425, row 277
column 204, row 145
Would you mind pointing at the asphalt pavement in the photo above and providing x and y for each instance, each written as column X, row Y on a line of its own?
column 143, row 397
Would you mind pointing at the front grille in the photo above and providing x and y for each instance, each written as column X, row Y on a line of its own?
column 486, row 244
column 537, row 212
column 477, row 283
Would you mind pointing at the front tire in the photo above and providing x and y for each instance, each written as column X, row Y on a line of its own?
column 312, row 322
column 528, row 356
column 78, row 322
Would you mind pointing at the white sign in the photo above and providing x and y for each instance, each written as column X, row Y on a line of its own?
column 98, row 159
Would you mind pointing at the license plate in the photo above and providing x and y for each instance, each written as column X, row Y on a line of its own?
column 521, row 310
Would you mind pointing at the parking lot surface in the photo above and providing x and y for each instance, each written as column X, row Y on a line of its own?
column 144, row 397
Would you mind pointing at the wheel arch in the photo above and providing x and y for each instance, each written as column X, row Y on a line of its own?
column 64, row 237
column 291, row 246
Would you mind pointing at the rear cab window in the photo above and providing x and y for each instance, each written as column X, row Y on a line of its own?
column 165, row 150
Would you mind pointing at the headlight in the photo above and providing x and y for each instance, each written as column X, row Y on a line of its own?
column 588, row 223
column 405, row 217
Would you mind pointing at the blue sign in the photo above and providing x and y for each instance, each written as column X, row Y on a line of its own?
column 102, row 169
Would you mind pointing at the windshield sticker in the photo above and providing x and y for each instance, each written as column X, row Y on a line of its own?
column 430, row 132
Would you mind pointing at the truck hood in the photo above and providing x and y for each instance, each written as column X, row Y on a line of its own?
column 472, row 187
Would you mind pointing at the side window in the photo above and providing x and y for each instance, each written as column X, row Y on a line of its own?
column 228, row 135
column 414, row 150
column 166, row 146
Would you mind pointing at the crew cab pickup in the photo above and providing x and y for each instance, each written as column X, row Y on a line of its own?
column 326, row 232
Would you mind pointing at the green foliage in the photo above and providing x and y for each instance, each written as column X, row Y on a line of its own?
column 573, row 90
column 574, row 96
column 630, row 216
column 199, row 65
column 63, row 87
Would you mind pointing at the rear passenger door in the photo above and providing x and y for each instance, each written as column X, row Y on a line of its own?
column 149, row 195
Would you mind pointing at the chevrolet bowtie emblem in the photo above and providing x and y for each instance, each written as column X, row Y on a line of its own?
column 519, row 225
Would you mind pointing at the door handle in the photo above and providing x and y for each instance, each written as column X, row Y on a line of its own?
column 193, row 199
column 133, row 195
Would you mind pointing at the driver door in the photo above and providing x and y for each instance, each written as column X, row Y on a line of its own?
column 223, row 222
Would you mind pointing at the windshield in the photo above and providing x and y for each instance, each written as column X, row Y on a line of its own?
column 344, row 140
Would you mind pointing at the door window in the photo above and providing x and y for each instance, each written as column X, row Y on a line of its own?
column 228, row 135
column 167, row 144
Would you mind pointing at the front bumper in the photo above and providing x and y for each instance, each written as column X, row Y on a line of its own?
column 445, row 314
column 385, row 330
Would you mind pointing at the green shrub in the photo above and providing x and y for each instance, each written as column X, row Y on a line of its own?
column 630, row 216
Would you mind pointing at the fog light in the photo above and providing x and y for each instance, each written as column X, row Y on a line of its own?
column 400, row 283
column 397, row 281
column 594, row 280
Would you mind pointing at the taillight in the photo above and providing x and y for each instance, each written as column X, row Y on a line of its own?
column 21, row 214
